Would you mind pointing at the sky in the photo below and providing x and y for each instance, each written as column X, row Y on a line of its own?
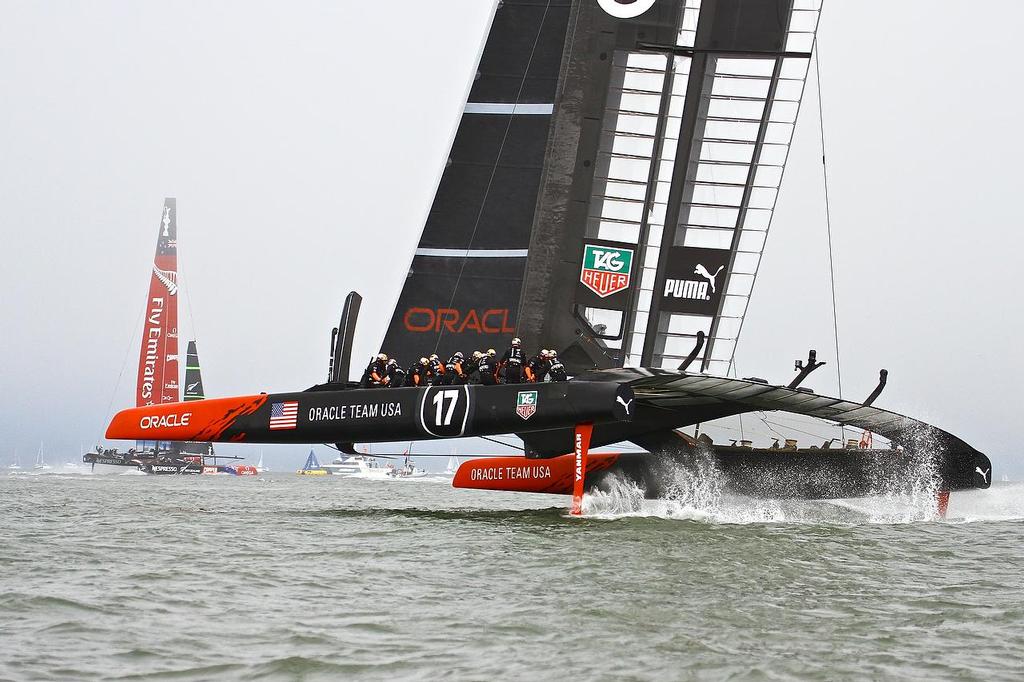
column 304, row 140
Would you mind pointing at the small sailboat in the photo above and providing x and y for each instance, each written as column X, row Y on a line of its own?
column 312, row 467
column 41, row 464
column 453, row 465
column 17, row 463
column 260, row 467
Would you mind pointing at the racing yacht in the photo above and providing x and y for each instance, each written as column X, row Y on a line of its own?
column 608, row 194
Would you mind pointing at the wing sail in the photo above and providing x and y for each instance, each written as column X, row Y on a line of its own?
column 158, row 357
column 677, row 163
column 462, row 289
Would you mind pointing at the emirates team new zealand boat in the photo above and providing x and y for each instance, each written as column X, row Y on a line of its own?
column 157, row 381
column 608, row 194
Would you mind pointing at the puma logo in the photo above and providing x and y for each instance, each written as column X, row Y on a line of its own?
column 703, row 272
column 984, row 474
column 624, row 403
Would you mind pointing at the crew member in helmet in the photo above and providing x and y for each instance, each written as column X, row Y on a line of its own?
column 486, row 366
column 536, row 367
column 454, row 373
column 469, row 367
column 376, row 373
column 512, row 362
column 418, row 374
column 555, row 369
column 436, row 370
column 396, row 375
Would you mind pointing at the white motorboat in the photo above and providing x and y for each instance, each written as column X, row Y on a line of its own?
column 407, row 470
column 357, row 466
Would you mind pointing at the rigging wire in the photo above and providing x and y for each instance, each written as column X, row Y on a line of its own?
column 507, row 445
column 124, row 363
column 188, row 296
column 828, row 228
column 497, row 160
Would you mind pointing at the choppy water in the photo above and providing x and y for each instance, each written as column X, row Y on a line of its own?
column 326, row 578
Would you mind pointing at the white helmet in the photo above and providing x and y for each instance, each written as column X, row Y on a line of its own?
column 517, row 341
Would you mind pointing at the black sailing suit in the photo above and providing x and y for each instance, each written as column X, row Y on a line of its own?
column 535, row 368
column 557, row 371
column 436, row 375
column 454, row 372
column 374, row 374
column 512, row 361
column 469, row 366
column 396, row 374
column 486, row 369
column 417, row 375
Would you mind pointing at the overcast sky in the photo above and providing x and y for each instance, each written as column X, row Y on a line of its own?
column 303, row 142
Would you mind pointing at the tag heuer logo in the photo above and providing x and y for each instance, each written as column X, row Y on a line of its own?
column 605, row 269
column 526, row 404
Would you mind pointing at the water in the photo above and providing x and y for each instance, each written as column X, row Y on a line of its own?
column 324, row 578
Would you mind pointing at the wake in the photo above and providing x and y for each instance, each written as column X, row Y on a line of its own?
column 699, row 494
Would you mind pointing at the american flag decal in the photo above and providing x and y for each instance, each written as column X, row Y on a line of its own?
column 284, row 415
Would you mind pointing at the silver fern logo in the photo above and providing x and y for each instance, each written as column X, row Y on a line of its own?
column 168, row 279
column 625, row 9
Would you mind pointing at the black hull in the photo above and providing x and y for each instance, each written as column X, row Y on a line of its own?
column 805, row 474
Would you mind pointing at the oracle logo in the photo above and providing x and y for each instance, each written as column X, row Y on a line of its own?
column 625, row 9
column 425, row 320
column 165, row 420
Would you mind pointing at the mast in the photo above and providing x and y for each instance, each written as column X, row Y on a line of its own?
column 158, row 356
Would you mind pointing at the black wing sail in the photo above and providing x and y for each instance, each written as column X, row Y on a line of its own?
column 672, row 131
column 194, row 391
column 462, row 289
column 193, row 375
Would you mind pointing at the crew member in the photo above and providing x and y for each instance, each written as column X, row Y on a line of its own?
column 436, row 370
column 376, row 373
column 454, row 373
column 536, row 367
column 555, row 369
column 418, row 374
column 486, row 366
column 396, row 375
column 469, row 367
column 512, row 362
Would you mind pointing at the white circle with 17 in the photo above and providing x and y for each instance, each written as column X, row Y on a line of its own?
column 626, row 9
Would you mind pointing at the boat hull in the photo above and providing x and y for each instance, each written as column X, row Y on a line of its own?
column 773, row 473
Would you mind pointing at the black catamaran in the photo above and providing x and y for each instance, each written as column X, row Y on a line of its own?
column 608, row 194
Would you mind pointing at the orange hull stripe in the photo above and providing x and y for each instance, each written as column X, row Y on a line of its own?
column 554, row 475
column 200, row 420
